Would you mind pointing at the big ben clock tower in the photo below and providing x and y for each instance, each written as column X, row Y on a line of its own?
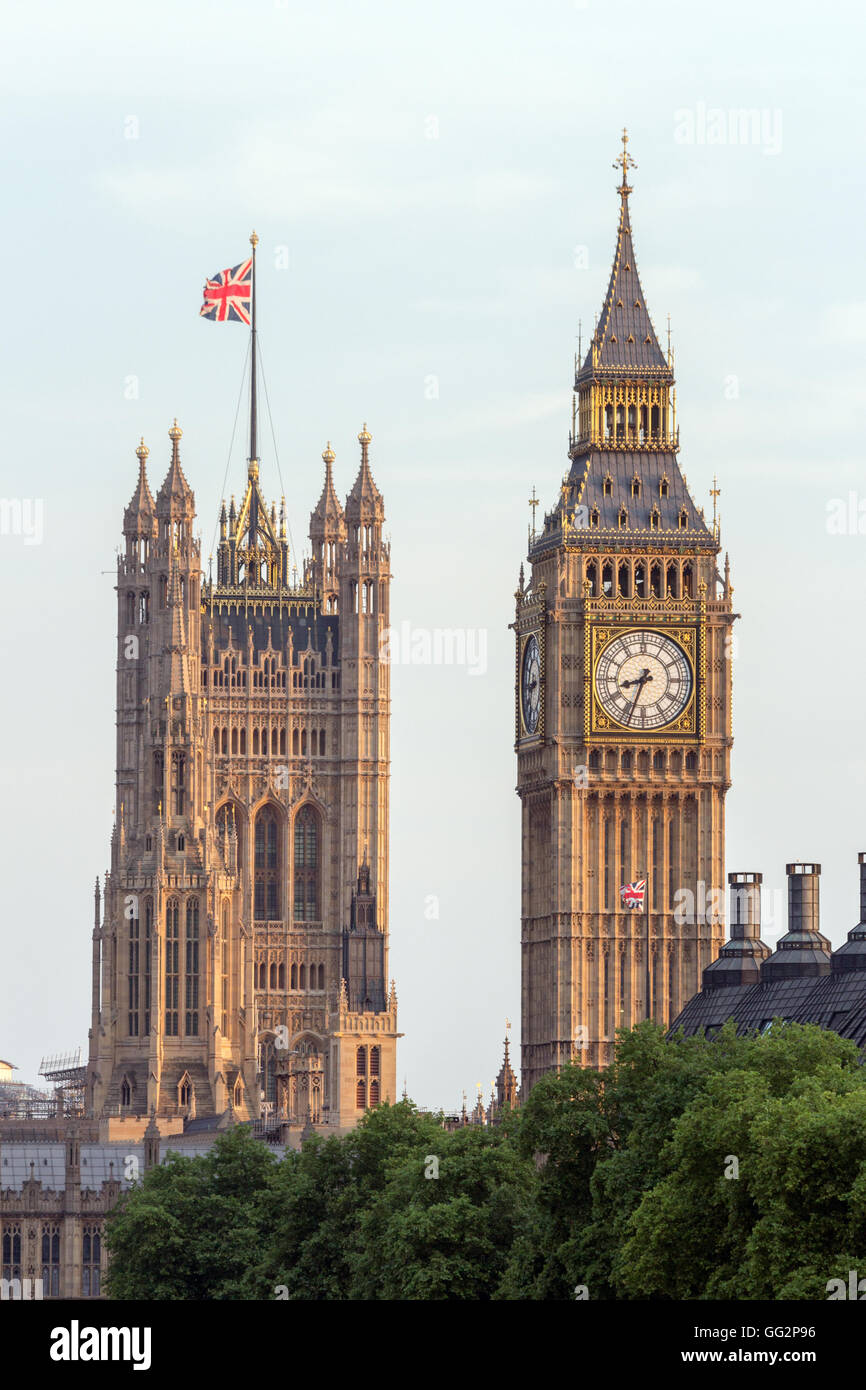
column 622, row 708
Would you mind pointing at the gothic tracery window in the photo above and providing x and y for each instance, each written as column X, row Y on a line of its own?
column 172, row 967
column 307, row 864
column 192, row 967
column 267, row 866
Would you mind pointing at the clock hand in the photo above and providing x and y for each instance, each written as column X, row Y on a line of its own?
column 640, row 683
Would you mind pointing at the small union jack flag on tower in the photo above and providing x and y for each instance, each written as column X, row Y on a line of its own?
column 228, row 296
column 632, row 894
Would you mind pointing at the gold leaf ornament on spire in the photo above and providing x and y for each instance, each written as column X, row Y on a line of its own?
column 625, row 162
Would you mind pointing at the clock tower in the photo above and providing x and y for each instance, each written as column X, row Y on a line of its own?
column 623, row 706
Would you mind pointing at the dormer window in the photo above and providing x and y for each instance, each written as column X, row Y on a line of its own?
column 637, row 304
column 654, row 519
column 608, row 486
column 629, row 339
column 623, row 517
column 664, row 486
column 593, row 517
column 613, row 337
column 619, row 303
column 627, row 266
column 635, row 486
column 181, row 844
column 684, row 520
column 647, row 339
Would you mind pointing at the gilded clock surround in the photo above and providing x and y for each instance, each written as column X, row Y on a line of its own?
column 600, row 725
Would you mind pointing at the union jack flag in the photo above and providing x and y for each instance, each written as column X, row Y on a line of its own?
column 632, row 894
column 228, row 296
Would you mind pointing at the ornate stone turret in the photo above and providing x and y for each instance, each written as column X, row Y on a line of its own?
column 139, row 519
column 328, row 536
column 175, row 500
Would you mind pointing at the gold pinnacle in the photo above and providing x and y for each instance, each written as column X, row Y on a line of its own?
column 625, row 161
column 254, row 240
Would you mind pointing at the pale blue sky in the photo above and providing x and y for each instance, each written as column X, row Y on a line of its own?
column 413, row 257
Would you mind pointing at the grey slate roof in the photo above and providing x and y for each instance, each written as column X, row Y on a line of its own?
column 625, row 334
column 836, row 1001
column 588, row 475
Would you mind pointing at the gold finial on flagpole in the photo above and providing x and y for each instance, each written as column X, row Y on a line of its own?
column 254, row 240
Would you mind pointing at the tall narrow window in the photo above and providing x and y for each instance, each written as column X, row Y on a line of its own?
column 307, row 852
column 672, row 870
column 178, row 784
column 91, row 1262
column 192, row 945
column 621, row 1019
column 148, row 946
column 12, row 1252
column 606, row 1003
column 624, row 865
column 172, row 967
column 268, row 906
column 223, row 950
column 657, row 861
column 134, row 967
column 157, row 779
column 606, row 901
column 51, row 1261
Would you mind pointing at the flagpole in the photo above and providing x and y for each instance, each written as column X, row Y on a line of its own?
column 254, row 241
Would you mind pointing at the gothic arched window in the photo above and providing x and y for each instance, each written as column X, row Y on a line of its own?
column 148, row 944
column 91, row 1262
column 192, row 966
column 307, row 861
column 134, row 966
column 172, row 967
column 267, row 906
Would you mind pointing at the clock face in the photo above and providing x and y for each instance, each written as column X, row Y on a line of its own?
column 643, row 680
column 530, row 684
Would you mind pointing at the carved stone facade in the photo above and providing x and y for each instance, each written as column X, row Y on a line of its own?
column 253, row 717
